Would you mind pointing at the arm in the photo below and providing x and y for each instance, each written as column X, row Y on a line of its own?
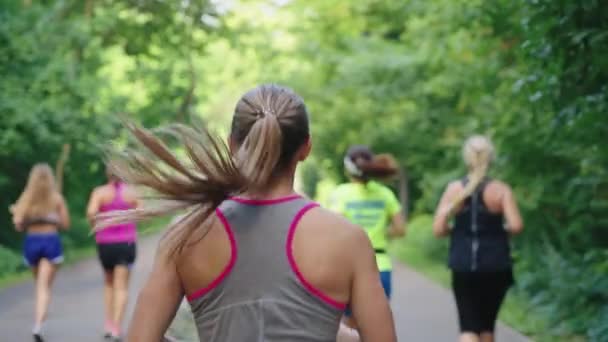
column 158, row 300
column 17, row 220
column 397, row 228
column 368, row 302
column 64, row 216
column 17, row 213
column 93, row 207
column 444, row 211
column 132, row 197
column 335, row 202
column 394, row 211
column 511, row 212
column 347, row 334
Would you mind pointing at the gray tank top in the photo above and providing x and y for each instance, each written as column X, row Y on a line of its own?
column 261, row 295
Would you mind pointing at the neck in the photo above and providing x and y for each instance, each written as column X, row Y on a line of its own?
column 475, row 174
column 282, row 187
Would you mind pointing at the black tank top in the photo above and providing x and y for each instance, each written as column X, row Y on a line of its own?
column 479, row 241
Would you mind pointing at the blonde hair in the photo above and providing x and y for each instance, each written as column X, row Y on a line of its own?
column 269, row 125
column 39, row 198
column 478, row 154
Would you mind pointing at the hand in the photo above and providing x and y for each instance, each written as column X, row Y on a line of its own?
column 447, row 211
column 18, row 224
column 347, row 334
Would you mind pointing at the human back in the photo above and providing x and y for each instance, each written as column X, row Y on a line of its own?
column 369, row 205
column 269, row 290
column 115, row 196
column 308, row 263
column 480, row 220
column 40, row 212
column 41, row 208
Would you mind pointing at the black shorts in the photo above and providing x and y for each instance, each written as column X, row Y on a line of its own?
column 116, row 254
column 478, row 298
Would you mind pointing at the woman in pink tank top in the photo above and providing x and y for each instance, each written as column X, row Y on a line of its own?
column 256, row 261
column 116, row 247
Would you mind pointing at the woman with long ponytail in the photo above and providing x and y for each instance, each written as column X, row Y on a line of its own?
column 485, row 213
column 255, row 260
column 41, row 213
column 371, row 205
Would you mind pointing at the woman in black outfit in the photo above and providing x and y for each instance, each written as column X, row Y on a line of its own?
column 485, row 214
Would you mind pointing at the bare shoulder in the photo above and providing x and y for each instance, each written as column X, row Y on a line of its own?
column 454, row 187
column 334, row 227
column 100, row 190
column 130, row 193
column 498, row 186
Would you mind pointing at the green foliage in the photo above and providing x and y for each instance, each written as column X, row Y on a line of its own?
column 416, row 78
column 411, row 78
column 69, row 67
column 10, row 262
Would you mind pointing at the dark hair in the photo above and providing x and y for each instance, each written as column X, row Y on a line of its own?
column 270, row 124
column 362, row 164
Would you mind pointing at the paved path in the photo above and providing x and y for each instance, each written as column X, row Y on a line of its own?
column 76, row 311
column 424, row 311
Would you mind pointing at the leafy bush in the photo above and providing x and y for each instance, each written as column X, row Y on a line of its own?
column 564, row 284
column 10, row 261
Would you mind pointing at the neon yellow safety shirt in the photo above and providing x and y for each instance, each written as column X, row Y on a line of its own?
column 371, row 206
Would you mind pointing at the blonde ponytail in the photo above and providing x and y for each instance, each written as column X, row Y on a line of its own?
column 478, row 154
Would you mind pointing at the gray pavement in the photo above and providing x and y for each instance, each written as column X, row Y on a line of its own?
column 423, row 310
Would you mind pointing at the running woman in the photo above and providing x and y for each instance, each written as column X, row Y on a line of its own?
column 256, row 261
column 479, row 255
column 116, row 247
column 41, row 212
column 371, row 205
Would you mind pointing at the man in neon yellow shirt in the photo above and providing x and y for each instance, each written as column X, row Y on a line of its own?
column 370, row 204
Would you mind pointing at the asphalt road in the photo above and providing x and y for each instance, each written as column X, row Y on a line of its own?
column 423, row 310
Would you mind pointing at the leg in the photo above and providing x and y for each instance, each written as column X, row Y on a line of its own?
column 108, row 298
column 121, row 292
column 487, row 337
column 468, row 337
column 45, row 275
column 463, row 284
column 496, row 286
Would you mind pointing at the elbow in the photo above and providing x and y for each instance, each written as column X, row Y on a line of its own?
column 516, row 228
column 402, row 232
column 439, row 230
column 398, row 231
column 65, row 225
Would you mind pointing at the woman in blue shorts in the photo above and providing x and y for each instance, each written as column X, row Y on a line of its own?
column 40, row 212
